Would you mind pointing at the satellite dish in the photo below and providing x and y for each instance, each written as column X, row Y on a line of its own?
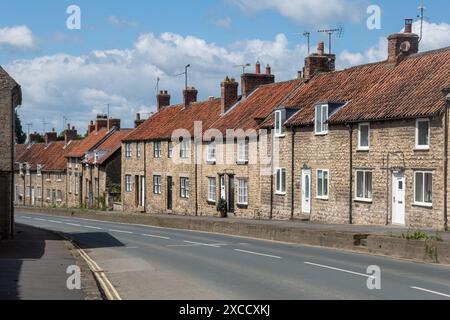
column 405, row 46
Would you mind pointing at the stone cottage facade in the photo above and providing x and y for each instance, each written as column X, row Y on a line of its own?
column 10, row 98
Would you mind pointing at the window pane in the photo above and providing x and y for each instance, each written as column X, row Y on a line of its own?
column 307, row 187
column 368, row 185
column 423, row 133
column 419, row 187
column 278, row 180
column 364, row 136
column 318, row 119
column 428, row 188
column 320, row 183
column 325, row 183
column 277, row 122
column 324, row 118
column 360, row 184
column 283, row 183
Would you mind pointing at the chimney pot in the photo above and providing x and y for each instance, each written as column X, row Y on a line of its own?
column 258, row 68
column 189, row 95
column 408, row 25
column 268, row 70
column 163, row 100
column 321, row 48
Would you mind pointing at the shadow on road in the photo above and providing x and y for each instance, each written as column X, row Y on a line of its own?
column 95, row 240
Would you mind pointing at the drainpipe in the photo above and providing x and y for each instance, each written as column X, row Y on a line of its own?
column 350, row 190
column 292, row 172
column 446, row 164
column 271, row 175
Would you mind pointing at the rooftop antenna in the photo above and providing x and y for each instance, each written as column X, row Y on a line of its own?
column 307, row 35
column 421, row 16
column 157, row 84
column 29, row 125
column 44, row 124
column 243, row 66
column 185, row 73
column 339, row 33
column 65, row 119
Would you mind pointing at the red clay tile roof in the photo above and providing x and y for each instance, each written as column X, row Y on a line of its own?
column 85, row 145
column 163, row 123
column 248, row 113
column 378, row 91
column 107, row 148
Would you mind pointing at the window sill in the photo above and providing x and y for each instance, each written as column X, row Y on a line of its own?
column 322, row 198
column 242, row 205
column 423, row 205
column 211, row 162
column 363, row 149
column 242, row 163
column 278, row 193
column 281, row 136
column 321, row 134
column 211, row 203
column 423, row 149
column 368, row 201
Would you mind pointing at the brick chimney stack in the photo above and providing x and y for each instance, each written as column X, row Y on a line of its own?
column 50, row 137
column 250, row 81
column 319, row 62
column 229, row 96
column 189, row 96
column 401, row 45
column 163, row 99
column 91, row 127
column 138, row 120
column 113, row 123
column 33, row 138
column 70, row 134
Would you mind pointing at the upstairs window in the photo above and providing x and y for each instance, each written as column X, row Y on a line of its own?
column 28, row 168
column 184, row 149
column 321, row 126
column 364, row 136
column 39, row 170
column 157, row 153
column 128, row 150
column 279, row 129
column 170, row 150
column 138, row 150
column 211, row 152
column 423, row 134
column 243, row 151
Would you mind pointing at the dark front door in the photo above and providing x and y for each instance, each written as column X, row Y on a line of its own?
column 169, row 193
column 136, row 191
column 231, row 194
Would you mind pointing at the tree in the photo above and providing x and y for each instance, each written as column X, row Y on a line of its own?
column 20, row 135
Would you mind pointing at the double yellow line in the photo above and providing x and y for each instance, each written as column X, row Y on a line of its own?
column 107, row 287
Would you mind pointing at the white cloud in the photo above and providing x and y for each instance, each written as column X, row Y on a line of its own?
column 307, row 11
column 79, row 87
column 435, row 36
column 224, row 23
column 19, row 37
column 116, row 21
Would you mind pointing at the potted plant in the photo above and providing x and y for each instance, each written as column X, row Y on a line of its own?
column 222, row 208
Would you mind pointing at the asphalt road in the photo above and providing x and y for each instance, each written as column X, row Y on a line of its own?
column 152, row 263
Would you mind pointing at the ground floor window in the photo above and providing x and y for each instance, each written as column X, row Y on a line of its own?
column 39, row 192
column 281, row 180
column 77, row 182
column 59, row 195
column 323, row 177
column 184, row 187
column 243, row 191
column 423, row 188
column 157, row 185
column 128, row 183
column 212, row 189
column 364, row 185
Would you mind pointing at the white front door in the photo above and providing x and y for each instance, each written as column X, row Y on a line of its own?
column 306, row 191
column 142, row 191
column 398, row 199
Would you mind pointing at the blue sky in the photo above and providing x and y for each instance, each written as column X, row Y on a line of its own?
column 123, row 46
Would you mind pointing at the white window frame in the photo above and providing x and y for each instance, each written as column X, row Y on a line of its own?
column 70, row 163
column 128, row 186
column 360, row 147
column 77, row 184
column 70, row 182
column 279, row 186
column 212, row 151
column 184, row 188
column 184, row 149
column 243, row 191
column 138, row 150
column 157, row 184
column 364, row 199
column 59, row 177
column 59, row 196
column 323, row 196
column 157, row 150
column 279, row 132
column 212, row 192
column 39, row 192
column 423, row 147
column 323, row 121
column 39, row 170
column 423, row 203
column 128, row 150
column 28, row 168
column 170, row 150
column 243, row 151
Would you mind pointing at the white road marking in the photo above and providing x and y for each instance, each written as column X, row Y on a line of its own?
column 204, row 244
column 433, row 292
column 53, row 221
column 153, row 236
column 27, row 218
column 73, row 224
column 258, row 254
column 337, row 269
column 38, row 219
column 90, row 227
column 131, row 247
column 120, row 231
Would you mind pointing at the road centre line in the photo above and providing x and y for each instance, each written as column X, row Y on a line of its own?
column 73, row 224
column 204, row 244
column 338, row 269
column 258, row 254
column 38, row 219
column 153, row 236
column 120, row 231
column 431, row 291
column 91, row 227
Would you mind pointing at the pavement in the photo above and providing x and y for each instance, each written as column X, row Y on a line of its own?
column 33, row 267
column 145, row 262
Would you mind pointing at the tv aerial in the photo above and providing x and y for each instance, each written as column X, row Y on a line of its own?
column 243, row 66
column 338, row 31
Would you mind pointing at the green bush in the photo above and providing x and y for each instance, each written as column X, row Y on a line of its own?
column 420, row 236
